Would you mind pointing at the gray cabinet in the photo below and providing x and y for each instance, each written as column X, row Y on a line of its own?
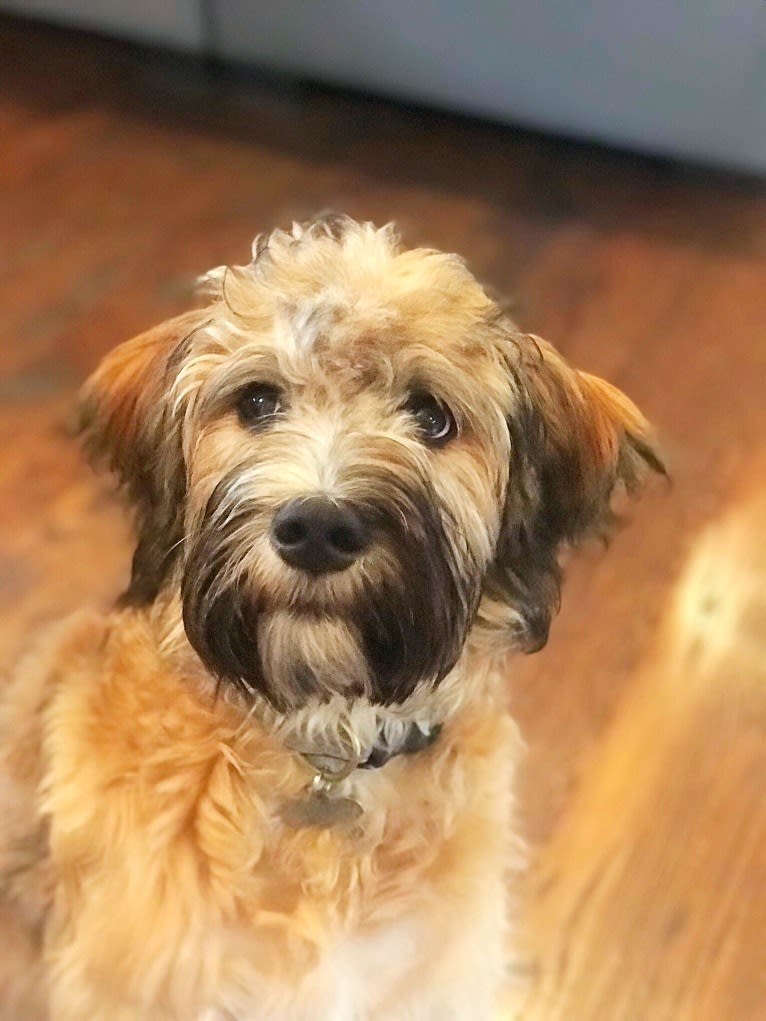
column 176, row 23
column 683, row 78
column 679, row 77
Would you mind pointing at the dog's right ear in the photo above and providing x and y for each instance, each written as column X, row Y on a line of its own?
column 128, row 424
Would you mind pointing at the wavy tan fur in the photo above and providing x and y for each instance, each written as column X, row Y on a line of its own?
column 147, row 872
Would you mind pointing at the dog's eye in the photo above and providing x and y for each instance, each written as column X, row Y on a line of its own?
column 257, row 402
column 434, row 420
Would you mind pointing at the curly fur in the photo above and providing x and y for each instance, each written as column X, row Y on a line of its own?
column 147, row 872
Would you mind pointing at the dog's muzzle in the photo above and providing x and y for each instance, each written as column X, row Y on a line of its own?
column 415, row 594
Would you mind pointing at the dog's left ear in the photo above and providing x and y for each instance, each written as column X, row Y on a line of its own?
column 129, row 425
column 575, row 440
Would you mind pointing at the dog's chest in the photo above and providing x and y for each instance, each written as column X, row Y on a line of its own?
column 354, row 976
column 172, row 829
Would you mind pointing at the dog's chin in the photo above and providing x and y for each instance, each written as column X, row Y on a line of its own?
column 305, row 656
column 291, row 656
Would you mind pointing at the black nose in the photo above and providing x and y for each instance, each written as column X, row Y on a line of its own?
column 319, row 535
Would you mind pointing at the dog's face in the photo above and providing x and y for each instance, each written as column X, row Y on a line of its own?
column 347, row 459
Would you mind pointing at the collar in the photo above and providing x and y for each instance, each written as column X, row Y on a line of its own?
column 324, row 804
column 416, row 737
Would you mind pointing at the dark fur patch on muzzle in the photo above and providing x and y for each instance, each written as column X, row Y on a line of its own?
column 410, row 623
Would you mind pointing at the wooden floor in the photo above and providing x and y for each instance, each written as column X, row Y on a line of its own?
column 643, row 796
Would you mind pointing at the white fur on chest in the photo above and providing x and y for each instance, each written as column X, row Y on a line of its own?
column 354, row 979
column 408, row 970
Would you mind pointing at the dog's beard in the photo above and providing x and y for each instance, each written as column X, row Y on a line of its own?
column 404, row 624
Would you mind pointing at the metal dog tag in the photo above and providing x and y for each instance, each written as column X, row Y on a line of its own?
column 318, row 811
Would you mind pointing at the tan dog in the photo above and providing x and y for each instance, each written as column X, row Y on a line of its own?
column 275, row 783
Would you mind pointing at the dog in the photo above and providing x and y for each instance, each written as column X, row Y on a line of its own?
column 275, row 782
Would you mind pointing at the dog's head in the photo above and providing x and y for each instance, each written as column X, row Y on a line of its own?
column 347, row 458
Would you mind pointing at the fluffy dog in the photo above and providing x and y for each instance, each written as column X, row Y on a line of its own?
column 274, row 784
